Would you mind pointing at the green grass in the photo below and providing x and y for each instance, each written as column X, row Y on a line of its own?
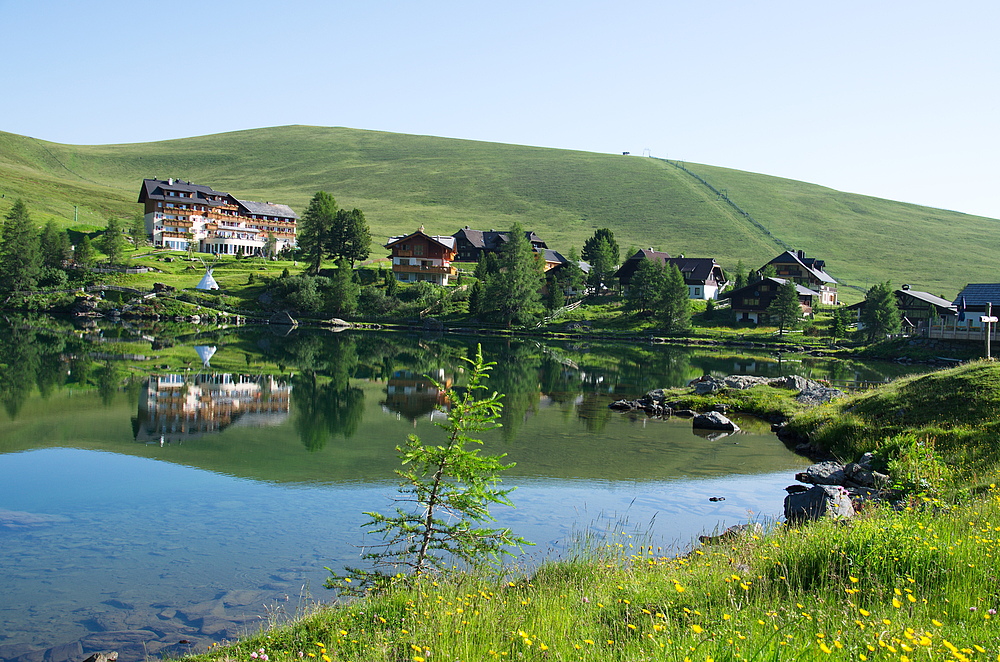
column 903, row 586
column 403, row 181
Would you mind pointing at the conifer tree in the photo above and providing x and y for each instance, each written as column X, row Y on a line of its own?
column 648, row 282
column 113, row 242
column 785, row 310
column 344, row 289
column 54, row 246
column 514, row 290
column 880, row 313
column 84, row 255
column 349, row 237
column 20, row 259
column 675, row 308
column 314, row 229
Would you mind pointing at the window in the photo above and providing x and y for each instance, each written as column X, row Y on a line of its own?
column 404, row 261
column 418, row 249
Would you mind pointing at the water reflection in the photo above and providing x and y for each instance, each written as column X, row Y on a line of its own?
column 176, row 407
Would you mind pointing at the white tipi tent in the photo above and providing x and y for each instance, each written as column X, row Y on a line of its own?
column 207, row 281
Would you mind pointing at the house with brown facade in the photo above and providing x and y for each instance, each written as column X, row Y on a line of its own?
column 703, row 276
column 808, row 272
column 750, row 303
column 179, row 213
column 422, row 257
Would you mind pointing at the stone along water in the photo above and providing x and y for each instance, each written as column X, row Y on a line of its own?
column 156, row 511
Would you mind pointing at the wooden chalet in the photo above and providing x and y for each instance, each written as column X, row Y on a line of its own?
column 422, row 257
column 471, row 244
column 750, row 303
column 179, row 212
column 919, row 310
column 808, row 272
column 703, row 275
column 974, row 302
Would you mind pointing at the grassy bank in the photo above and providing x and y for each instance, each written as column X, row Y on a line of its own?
column 912, row 582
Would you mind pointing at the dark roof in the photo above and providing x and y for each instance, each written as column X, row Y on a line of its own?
column 697, row 269
column 492, row 240
column 810, row 264
column 444, row 240
column 979, row 294
column 156, row 189
column 553, row 256
column 267, row 209
column 632, row 263
column 922, row 296
column 802, row 290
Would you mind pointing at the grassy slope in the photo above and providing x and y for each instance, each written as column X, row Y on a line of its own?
column 403, row 181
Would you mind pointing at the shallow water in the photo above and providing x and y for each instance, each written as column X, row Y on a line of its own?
column 164, row 515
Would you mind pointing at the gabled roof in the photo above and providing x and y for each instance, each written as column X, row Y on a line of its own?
column 444, row 240
column 802, row 290
column 697, row 269
column 979, row 294
column 267, row 209
column 492, row 240
column 926, row 296
column 810, row 264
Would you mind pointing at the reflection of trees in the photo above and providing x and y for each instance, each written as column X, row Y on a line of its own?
column 19, row 354
column 593, row 410
column 516, row 376
column 324, row 410
column 109, row 378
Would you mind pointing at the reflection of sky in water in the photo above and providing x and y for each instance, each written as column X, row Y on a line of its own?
column 144, row 531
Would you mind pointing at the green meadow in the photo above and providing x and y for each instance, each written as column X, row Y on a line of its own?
column 404, row 181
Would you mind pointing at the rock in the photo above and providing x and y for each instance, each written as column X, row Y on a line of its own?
column 733, row 532
column 656, row 395
column 824, row 473
column 714, row 499
column 707, row 387
column 721, row 408
column 64, row 652
column 713, row 420
column 283, row 319
column 819, row 395
column 685, row 413
column 796, row 489
column 819, row 501
column 336, row 321
column 431, row 324
column 743, row 382
column 622, row 405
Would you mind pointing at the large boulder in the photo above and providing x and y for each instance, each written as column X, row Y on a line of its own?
column 818, row 501
column 823, row 473
column 713, row 420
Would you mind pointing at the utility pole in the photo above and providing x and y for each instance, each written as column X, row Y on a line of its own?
column 76, row 214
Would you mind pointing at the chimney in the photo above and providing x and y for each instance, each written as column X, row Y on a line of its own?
column 170, row 182
column 802, row 255
column 906, row 287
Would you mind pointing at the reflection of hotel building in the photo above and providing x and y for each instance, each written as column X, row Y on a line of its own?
column 178, row 407
column 216, row 221
column 414, row 395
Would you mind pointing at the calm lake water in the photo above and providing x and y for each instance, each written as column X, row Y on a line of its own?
column 158, row 514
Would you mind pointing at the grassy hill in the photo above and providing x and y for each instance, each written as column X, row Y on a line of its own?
column 404, row 181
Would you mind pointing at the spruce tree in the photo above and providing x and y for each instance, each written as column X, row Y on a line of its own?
column 880, row 313
column 54, row 246
column 344, row 290
column 84, row 255
column 314, row 229
column 20, row 258
column 514, row 290
column 647, row 283
column 349, row 237
column 785, row 310
column 675, row 308
column 113, row 242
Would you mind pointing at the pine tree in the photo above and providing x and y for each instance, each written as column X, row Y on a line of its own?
column 785, row 310
column 476, row 298
column 20, row 259
column 514, row 290
column 647, row 283
column 54, row 246
column 450, row 487
column 880, row 313
column 314, row 229
column 602, row 263
column 740, row 276
column 137, row 230
column 344, row 290
column 675, row 308
column 85, row 255
column 350, row 237
column 113, row 243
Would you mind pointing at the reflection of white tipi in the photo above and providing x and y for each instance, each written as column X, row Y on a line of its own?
column 205, row 353
column 207, row 281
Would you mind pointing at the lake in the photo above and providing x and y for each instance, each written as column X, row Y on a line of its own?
column 198, row 491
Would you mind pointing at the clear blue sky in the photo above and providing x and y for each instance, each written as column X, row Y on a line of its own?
column 897, row 99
